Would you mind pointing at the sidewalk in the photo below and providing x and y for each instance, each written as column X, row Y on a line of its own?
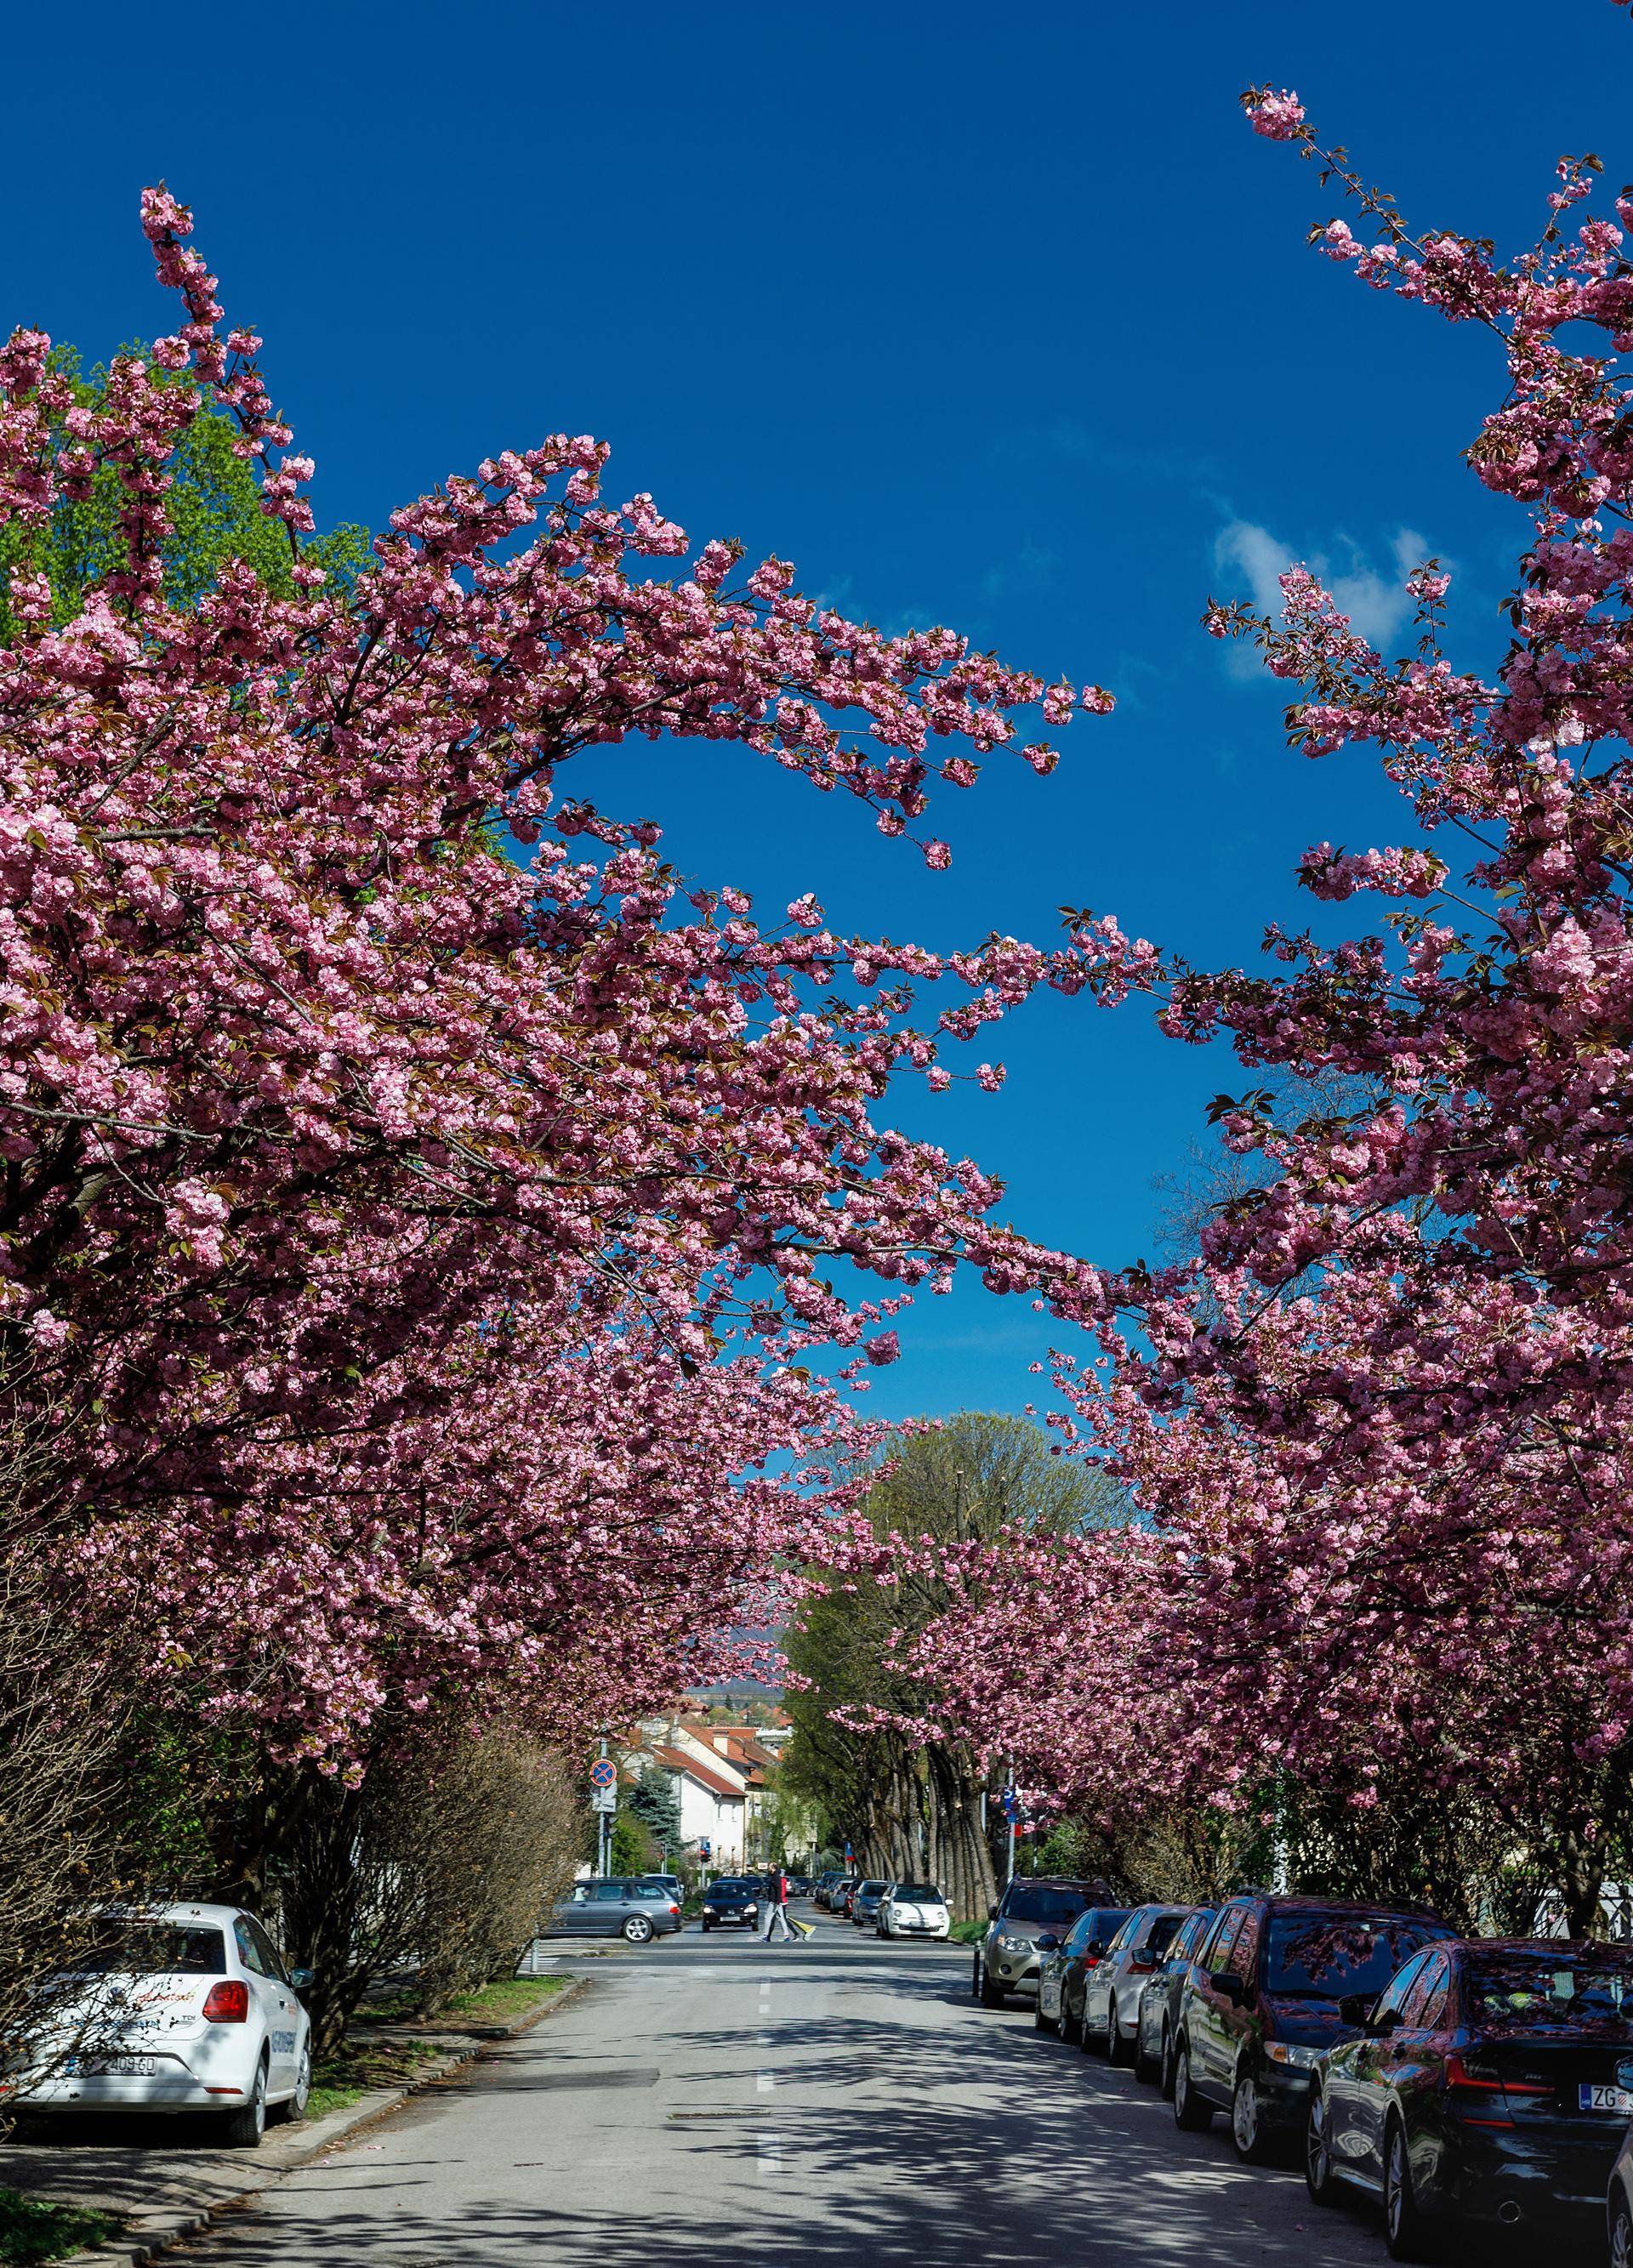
column 165, row 2189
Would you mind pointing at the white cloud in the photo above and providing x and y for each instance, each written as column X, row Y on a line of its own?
column 1377, row 603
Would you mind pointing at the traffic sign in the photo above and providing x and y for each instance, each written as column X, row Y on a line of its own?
column 603, row 1772
column 604, row 1799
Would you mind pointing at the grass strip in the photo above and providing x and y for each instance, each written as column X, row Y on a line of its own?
column 33, row 2229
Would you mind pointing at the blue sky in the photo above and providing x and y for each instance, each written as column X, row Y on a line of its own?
column 1000, row 318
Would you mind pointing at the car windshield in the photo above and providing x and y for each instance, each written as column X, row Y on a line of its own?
column 1322, row 1956
column 925, row 1893
column 1545, row 1991
column 154, row 1949
column 1160, row 1934
column 871, row 1889
column 733, row 1888
column 1032, row 1902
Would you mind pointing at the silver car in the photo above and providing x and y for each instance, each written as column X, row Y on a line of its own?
column 1113, row 1988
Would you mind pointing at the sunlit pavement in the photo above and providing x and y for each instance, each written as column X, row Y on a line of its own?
column 840, row 2101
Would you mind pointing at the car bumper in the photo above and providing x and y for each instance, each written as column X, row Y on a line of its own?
column 732, row 1921
column 919, row 1928
column 1015, row 1974
column 160, row 2092
column 1284, row 2097
column 1521, row 2182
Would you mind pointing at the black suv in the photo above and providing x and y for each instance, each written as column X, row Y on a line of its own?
column 1034, row 1905
column 1260, row 2003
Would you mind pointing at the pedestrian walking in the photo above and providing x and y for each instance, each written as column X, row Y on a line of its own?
column 777, row 1908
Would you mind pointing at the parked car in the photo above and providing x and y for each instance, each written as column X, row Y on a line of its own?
column 1065, row 1965
column 826, row 1882
column 1157, row 2026
column 919, row 1910
column 799, row 1886
column 1491, row 2085
column 1260, row 2003
column 618, row 1906
column 866, row 1900
column 181, row 2007
column 1112, row 1987
column 733, row 1903
column 844, row 1891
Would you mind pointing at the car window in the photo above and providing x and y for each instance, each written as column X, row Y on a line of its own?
column 1121, row 1938
column 924, row 1894
column 1034, row 1901
column 607, row 1893
column 1245, row 1946
column 1431, row 2015
column 1529, row 1991
column 1404, row 1993
column 1323, row 1955
column 1191, row 1932
column 272, row 1965
column 1159, row 1934
column 1079, row 1934
column 1216, row 1953
column 248, row 1952
column 152, row 1950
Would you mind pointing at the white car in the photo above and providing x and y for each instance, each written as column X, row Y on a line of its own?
column 190, row 2008
column 913, row 1909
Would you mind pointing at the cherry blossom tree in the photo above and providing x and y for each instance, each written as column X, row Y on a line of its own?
column 430, row 1211
column 1376, row 1428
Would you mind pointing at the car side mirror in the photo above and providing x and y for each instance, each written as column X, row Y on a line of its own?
column 302, row 1980
column 1048, row 1944
column 1354, row 2008
column 1094, row 1950
column 991, row 1913
column 1230, row 1987
column 1379, row 2026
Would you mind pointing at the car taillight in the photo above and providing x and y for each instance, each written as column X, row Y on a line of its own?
column 673, row 1908
column 226, row 2003
column 1465, row 2077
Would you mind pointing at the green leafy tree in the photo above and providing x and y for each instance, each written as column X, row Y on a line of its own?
column 907, row 1805
column 214, row 504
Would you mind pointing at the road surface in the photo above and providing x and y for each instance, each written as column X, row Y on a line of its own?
column 842, row 2103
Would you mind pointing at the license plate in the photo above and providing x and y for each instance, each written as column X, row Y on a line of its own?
column 112, row 2066
column 1606, row 2098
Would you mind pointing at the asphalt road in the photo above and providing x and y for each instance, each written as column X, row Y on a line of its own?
column 842, row 2103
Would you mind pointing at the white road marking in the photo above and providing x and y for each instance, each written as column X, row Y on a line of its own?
column 766, row 2082
column 770, row 2164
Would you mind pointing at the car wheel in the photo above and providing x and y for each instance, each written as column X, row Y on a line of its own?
column 1622, row 2235
column 1165, row 2065
column 1404, row 2234
column 1042, row 2023
column 1146, row 2067
column 293, row 2109
column 1071, row 2027
column 1247, row 2125
column 1116, row 2045
column 1191, row 2113
column 638, row 1929
column 1319, row 2178
column 992, row 1996
column 242, row 2130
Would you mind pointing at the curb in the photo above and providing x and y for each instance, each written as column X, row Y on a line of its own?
column 151, row 2234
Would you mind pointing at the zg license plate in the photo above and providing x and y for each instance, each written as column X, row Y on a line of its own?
column 1606, row 2098
column 112, row 2066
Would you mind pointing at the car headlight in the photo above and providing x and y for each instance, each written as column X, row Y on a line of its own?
column 707, row 1909
column 1301, row 2058
column 1011, row 1943
column 750, row 1906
